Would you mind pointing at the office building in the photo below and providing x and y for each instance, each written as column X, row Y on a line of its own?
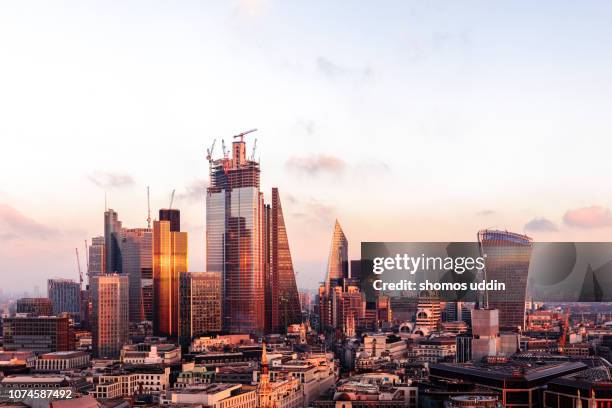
column 235, row 238
column 62, row 361
column 284, row 301
column 42, row 334
column 65, row 294
column 137, row 264
column 110, row 318
column 112, row 242
column 200, row 304
column 428, row 313
column 507, row 260
column 35, row 306
column 173, row 216
column 337, row 263
column 96, row 263
column 169, row 260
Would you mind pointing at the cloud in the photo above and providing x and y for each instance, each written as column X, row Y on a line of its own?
column 334, row 70
column 540, row 224
column 15, row 225
column 194, row 191
column 311, row 210
column 484, row 213
column 315, row 164
column 110, row 180
column 588, row 217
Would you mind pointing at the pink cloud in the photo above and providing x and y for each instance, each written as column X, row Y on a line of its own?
column 589, row 217
column 14, row 224
column 315, row 164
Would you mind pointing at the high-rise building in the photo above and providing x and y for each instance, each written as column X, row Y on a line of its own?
column 507, row 257
column 137, row 264
column 42, row 334
column 110, row 314
column 284, row 301
column 172, row 215
column 35, row 306
column 97, row 263
column 235, row 239
column 169, row 260
column 337, row 263
column 66, row 296
column 112, row 242
column 200, row 304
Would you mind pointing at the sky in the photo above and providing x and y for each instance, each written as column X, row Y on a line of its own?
column 406, row 121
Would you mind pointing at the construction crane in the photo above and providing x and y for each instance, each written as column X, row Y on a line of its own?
column 171, row 199
column 243, row 134
column 224, row 148
column 254, row 147
column 79, row 267
column 209, row 152
column 148, row 209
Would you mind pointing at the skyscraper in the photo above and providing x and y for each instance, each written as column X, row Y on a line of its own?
column 137, row 264
column 169, row 260
column 97, row 262
column 235, row 239
column 110, row 332
column 65, row 294
column 284, row 301
column 337, row 263
column 200, row 304
column 173, row 215
column 507, row 257
column 112, row 242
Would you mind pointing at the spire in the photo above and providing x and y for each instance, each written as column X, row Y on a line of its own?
column 264, row 359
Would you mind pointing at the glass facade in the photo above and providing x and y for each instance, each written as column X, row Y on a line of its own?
column 169, row 260
column 65, row 294
column 235, row 239
column 337, row 264
column 137, row 263
column 200, row 304
column 507, row 260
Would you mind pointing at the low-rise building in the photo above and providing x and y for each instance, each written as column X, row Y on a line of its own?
column 143, row 379
column 217, row 395
column 62, row 361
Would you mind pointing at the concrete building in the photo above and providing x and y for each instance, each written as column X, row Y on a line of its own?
column 212, row 395
column 110, row 332
column 62, row 361
column 132, row 379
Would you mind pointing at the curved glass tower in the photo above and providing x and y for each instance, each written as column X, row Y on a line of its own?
column 507, row 256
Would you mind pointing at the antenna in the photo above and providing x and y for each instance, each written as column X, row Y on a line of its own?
column 148, row 209
column 171, row 199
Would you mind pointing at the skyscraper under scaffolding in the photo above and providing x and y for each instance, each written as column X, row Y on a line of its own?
column 247, row 243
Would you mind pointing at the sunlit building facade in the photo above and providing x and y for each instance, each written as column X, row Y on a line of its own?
column 110, row 314
column 507, row 257
column 169, row 260
column 65, row 294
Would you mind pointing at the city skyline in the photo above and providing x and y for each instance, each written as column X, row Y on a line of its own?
column 88, row 98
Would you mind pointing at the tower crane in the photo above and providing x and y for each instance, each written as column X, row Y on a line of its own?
column 76, row 250
column 209, row 152
column 254, row 147
column 171, row 199
column 243, row 134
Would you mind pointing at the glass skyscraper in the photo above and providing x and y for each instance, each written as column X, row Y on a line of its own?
column 234, row 239
column 137, row 264
column 507, row 256
column 110, row 329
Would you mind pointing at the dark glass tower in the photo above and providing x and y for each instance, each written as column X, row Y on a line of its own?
column 172, row 215
column 507, row 257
